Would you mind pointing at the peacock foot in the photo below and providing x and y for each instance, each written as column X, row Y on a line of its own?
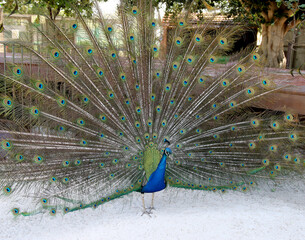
column 151, row 209
column 146, row 212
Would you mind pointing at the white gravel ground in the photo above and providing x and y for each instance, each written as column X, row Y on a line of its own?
column 180, row 214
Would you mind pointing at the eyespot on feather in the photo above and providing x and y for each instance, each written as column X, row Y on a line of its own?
column 17, row 71
column 198, row 38
column 7, row 102
column 223, row 42
column 55, row 54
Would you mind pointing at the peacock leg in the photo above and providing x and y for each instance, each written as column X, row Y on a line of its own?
column 152, row 203
column 144, row 209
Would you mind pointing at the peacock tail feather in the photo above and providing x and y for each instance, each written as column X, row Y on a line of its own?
column 88, row 119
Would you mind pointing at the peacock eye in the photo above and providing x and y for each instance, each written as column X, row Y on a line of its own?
column 16, row 211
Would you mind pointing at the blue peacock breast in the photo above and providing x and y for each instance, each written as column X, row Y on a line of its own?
column 154, row 166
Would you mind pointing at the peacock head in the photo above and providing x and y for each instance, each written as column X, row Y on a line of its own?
column 167, row 151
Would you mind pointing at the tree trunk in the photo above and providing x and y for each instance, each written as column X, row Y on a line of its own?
column 53, row 13
column 272, row 46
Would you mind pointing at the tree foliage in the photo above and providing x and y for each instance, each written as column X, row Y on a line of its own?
column 53, row 7
column 255, row 11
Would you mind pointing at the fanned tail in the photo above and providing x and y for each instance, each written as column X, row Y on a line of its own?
column 91, row 104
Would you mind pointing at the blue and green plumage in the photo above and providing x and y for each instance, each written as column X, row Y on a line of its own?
column 155, row 175
column 87, row 119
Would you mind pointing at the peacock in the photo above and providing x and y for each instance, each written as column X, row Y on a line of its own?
column 98, row 108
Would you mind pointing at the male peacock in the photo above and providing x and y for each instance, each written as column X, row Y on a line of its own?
column 92, row 120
